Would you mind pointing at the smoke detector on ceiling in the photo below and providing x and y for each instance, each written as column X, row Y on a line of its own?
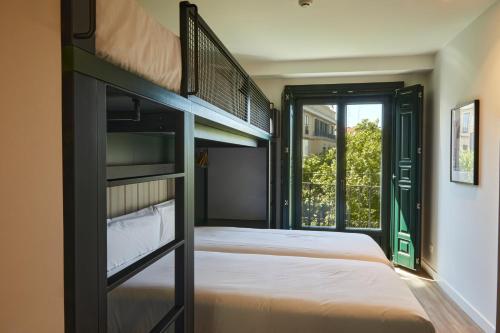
column 305, row 3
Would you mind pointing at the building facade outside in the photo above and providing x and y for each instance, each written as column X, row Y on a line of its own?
column 319, row 129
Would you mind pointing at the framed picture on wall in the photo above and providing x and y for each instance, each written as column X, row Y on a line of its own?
column 465, row 143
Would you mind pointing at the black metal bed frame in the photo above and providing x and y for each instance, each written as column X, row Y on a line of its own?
column 212, row 74
column 85, row 125
column 87, row 81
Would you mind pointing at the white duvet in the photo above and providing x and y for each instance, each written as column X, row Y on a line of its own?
column 249, row 293
column 316, row 244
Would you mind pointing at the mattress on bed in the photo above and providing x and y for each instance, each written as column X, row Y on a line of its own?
column 129, row 37
column 248, row 293
column 316, row 244
column 141, row 302
column 260, row 293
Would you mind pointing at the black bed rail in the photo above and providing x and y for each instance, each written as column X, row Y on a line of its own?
column 78, row 20
column 212, row 74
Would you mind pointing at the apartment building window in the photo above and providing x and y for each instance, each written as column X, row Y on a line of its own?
column 306, row 124
column 465, row 122
column 323, row 129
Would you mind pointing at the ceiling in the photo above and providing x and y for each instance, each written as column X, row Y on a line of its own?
column 278, row 30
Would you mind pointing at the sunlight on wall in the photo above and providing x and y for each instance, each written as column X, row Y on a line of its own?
column 31, row 240
column 461, row 244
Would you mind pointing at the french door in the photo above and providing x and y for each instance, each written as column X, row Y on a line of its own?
column 351, row 161
column 342, row 165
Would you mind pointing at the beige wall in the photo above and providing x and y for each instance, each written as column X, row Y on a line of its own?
column 31, row 238
column 461, row 242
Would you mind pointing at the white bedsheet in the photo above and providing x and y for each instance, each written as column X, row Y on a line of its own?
column 138, row 304
column 316, row 244
column 131, row 38
column 249, row 293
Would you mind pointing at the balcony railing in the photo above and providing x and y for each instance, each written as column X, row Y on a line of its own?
column 362, row 206
column 318, row 205
column 323, row 134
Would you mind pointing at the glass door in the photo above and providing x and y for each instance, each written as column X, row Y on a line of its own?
column 342, row 165
column 363, row 166
column 319, row 165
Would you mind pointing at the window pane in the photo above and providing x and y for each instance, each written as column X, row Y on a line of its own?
column 319, row 165
column 140, row 303
column 363, row 165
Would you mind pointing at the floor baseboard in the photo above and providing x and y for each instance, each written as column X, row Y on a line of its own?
column 468, row 308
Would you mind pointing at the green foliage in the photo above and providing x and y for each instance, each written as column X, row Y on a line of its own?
column 318, row 189
column 363, row 172
column 466, row 160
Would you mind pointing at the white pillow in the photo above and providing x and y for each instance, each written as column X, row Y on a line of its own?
column 167, row 212
column 131, row 238
column 140, row 212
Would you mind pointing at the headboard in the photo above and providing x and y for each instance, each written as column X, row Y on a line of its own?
column 125, row 199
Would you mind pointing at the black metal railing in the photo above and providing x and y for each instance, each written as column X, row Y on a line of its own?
column 325, row 135
column 323, row 129
column 362, row 205
column 212, row 74
column 318, row 205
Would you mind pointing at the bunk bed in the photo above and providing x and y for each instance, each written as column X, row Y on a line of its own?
column 134, row 98
column 196, row 65
column 125, row 92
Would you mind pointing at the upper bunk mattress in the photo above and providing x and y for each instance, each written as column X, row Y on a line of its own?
column 249, row 293
column 129, row 37
column 300, row 243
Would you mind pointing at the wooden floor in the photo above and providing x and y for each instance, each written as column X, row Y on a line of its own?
column 446, row 316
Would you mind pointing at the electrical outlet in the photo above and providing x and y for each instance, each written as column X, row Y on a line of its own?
column 431, row 248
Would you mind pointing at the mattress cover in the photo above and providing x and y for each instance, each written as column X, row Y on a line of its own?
column 129, row 37
column 251, row 293
column 316, row 244
column 140, row 303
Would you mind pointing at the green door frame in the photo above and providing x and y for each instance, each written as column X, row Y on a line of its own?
column 293, row 99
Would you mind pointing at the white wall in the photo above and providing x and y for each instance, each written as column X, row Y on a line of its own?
column 462, row 224
column 31, row 223
column 338, row 66
column 273, row 87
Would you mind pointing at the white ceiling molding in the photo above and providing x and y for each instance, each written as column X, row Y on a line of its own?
column 339, row 67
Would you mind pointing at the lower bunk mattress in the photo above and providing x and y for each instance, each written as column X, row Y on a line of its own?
column 249, row 293
column 301, row 243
